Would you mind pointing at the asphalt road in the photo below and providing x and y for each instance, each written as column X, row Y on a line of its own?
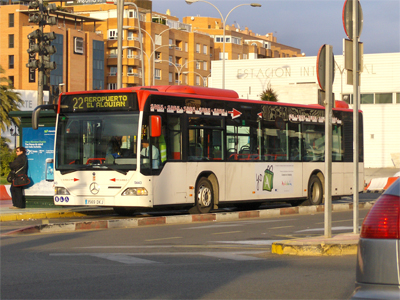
column 216, row 260
column 14, row 225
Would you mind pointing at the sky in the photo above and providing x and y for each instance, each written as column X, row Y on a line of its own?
column 303, row 24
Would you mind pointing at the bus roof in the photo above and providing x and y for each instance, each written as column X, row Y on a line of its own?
column 186, row 89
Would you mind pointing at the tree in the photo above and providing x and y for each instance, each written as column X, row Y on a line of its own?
column 6, row 156
column 10, row 101
column 269, row 94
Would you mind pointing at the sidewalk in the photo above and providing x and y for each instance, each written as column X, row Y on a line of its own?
column 7, row 214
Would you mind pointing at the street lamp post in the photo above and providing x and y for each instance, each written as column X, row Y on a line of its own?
column 179, row 70
column 224, row 25
column 14, row 133
column 120, row 22
column 202, row 77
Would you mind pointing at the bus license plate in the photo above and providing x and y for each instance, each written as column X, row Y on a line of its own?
column 94, row 201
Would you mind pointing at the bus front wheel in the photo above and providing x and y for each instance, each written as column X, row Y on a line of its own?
column 204, row 197
column 315, row 191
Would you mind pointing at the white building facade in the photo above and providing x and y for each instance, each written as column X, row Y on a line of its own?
column 295, row 81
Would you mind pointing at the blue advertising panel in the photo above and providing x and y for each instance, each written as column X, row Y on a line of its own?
column 39, row 146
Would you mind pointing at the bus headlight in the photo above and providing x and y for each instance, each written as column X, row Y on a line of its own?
column 139, row 191
column 61, row 191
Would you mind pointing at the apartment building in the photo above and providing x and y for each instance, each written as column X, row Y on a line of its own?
column 240, row 44
column 79, row 57
column 172, row 52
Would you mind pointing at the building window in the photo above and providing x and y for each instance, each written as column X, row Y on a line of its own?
column 204, row 49
column 10, row 41
column 367, row 99
column 112, row 34
column 113, row 52
column 112, row 86
column 11, row 78
column 221, row 55
column 383, row 98
column 170, row 59
column 197, row 65
column 113, row 71
column 157, row 74
column 11, row 61
column 186, row 47
column 131, row 36
column 197, row 48
column 158, row 39
column 132, row 14
column 398, row 98
column 10, row 20
column 170, row 77
column 131, row 53
column 197, row 80
column 244, row 56
column 170, row 42
column 205, row 66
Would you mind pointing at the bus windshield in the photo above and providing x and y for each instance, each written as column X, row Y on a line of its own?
column 88, row 141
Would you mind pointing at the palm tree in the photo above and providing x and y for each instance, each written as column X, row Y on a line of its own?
column 269, row 94
column 10, row 101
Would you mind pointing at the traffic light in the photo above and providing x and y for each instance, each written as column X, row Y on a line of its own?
column 40, row 42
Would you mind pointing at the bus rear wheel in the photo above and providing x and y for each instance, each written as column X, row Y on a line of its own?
column 204, row 197
column 315, row 191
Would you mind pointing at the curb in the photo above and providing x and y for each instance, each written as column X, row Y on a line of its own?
column 167, row 220
column 342, row 244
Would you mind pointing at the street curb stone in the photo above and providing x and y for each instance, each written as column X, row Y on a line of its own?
column 280, row 248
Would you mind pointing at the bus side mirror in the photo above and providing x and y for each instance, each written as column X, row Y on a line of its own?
column 155, row 126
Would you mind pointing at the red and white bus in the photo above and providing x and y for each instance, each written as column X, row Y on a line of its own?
column 207, row 149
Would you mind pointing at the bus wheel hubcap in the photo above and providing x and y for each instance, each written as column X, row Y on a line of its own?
column 204, row 196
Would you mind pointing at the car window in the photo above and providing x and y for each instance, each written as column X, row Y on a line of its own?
column 394, row 189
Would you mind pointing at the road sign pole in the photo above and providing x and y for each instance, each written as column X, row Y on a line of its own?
column 355, row 115
column 328, row 141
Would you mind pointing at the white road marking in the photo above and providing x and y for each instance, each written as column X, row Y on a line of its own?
column 118, row 257
column 133, row 259
column 241, row 223
column 258, row 242
column 322, row 229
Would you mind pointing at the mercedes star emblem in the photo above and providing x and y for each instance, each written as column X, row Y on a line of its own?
column 94, row 188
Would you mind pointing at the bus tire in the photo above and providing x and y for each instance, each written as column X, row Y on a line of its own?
column 315, row 191
column 204, row 197
column 124, row 211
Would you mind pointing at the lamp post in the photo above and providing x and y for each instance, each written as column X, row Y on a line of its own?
column 224, row 25
column 120, row 22
column 179, row 70
column 14, row 133
column 149, row 59
column 202, row 77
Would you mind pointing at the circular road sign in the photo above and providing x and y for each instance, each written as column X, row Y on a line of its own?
column 347, row 17
column 321, row 66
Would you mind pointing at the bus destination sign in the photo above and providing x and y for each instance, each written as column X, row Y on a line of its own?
column 98, row 102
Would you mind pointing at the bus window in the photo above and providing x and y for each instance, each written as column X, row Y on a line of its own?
column 294, row 142
column 337, row 143
column 314, row 142
column 276, row 142
column 205, row 139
